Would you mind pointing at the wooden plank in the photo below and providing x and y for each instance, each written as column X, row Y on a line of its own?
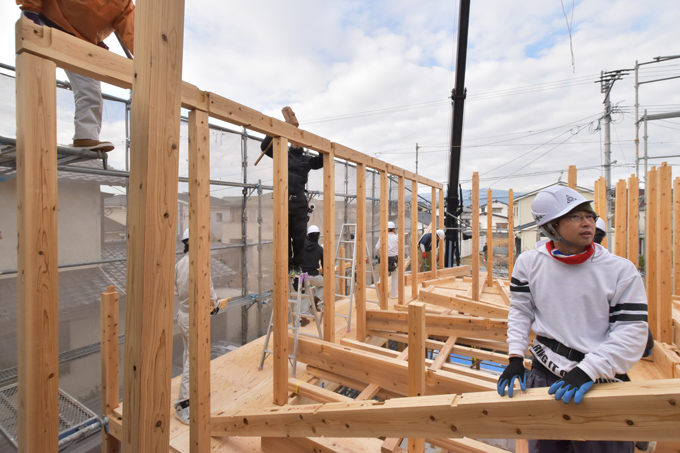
column 463, row 305
column 504, row 291
column 444, row 353
column 489, row 239
column 676, row 236
column 329, row 246
column 352, row 383
column 391, row 445
column 651, row 283
column 601, row 204
column 401, row 230
column 199, row 281
column 415, row 251
column 511, row 231
column 442, row 247
column 385, row 285
column 152, row 219
column 447, row 325
column 416, row 349
column 624, row 411
column 360, row 289
column 621, row 238
column 281, row 278
column 109, row 365
column 665, row 260
column 571, row 177
column 458, row 271
column 37, row 255
column 634, row 220
column 475, row 235
column 314, row 392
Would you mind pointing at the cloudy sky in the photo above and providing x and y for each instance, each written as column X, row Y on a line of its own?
column 377, row 76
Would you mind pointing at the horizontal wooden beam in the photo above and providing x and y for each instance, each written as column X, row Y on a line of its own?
column 622, row 411
column 314, row 392
column 464, row 305
column 446, row 325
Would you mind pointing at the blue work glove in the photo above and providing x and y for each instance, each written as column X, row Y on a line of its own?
column 575, row 383
column 514, row 370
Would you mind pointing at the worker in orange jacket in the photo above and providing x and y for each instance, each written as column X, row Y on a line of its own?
column 92, row 21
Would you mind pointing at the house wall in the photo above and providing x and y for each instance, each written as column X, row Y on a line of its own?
column 79, row 214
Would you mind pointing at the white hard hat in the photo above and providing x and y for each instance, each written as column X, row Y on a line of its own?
column 390, row 226
column 313, row 229
column 440, row 234
column 185, row 236
column 554, row 202
column 600, row 225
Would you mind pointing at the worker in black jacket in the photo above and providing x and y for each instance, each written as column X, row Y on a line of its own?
column 299, row 165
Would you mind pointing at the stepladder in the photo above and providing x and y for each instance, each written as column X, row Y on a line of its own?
column 301, row 307
column 345, row 269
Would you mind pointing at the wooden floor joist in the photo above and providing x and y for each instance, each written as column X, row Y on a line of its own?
column 622, row 411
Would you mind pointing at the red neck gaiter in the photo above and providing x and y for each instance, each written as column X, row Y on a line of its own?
column 570, row 259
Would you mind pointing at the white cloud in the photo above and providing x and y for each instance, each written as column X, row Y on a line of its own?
column 338, row 59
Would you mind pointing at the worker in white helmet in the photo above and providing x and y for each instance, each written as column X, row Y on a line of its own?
column 182, row 291
column 392, row 256
column 587, row 307
column 425, row 244
column 600, row 231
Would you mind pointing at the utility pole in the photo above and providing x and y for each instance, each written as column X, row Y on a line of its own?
column 607, row 80
column 417, row 148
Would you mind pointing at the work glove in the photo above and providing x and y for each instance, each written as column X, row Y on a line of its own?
column 575, row 383
column 514, row 370
column 424, row 255
column 215, row 310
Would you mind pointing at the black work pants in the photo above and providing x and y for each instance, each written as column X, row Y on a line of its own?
column 297, row 228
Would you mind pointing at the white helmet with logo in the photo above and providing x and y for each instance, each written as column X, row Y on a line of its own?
column 313, row 229
column 552, row 203
column 390, row 226
column 440, row 234
column 600, row 225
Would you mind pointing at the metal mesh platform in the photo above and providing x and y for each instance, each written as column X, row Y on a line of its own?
column 76, row 422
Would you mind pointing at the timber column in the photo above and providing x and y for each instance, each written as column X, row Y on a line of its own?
column 152, row 224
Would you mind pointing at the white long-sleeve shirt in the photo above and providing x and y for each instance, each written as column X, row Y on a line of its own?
column 392, row 245
column 182, row 284
column 598, row 307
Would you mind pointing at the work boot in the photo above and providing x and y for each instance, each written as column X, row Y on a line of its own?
column 93, row 145
column 303, row 321
column 182, row 411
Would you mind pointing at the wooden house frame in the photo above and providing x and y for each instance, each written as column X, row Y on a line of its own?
column 633, row 411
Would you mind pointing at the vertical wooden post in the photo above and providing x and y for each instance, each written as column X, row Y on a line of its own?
column 442, row 247
column 665, row 260
column 401, row 229
column 433, row 233
column 601, row 204
column 633, row 220
column 572, row 177
column 199, row 281
column 475, row 236
column 651, row 250
column 329, row 246
column 37, row 271
column 417, row 335
column 621, row 238
column 281, row 277
column 152, row 224
column 415, row 250
column 676, row 236
column 384, row 218
column 489, row 238
column 360, row 292
column 110, row 365
column 511, row 232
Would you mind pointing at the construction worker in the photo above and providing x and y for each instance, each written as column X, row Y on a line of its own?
column 312, row 262
column 587, row 307
column 299, row 166
column 425, row 245
column 182, row 291
column 93, row 22
column 392, row 256
column 600, row 231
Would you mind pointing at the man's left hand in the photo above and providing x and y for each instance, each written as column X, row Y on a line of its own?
column 575, row 383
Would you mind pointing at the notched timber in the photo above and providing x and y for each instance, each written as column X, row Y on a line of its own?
column 621, row 411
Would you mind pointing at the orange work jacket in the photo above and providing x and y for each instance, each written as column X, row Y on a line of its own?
column 91, row 20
